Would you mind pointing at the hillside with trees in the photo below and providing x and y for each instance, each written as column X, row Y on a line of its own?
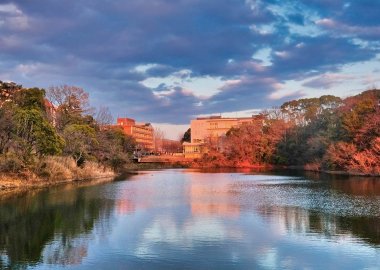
column 54, row 134
column 326, row 133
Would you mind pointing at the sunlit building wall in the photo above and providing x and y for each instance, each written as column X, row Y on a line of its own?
column 210, row 129
column 141, row 132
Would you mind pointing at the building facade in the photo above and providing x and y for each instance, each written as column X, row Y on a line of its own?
column 204, row 129
column 141, row 132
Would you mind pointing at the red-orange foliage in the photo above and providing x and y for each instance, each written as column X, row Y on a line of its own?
column 316, row 133
column 367, row 161
column 369, row 131
column 255, row 143
column 339, row 155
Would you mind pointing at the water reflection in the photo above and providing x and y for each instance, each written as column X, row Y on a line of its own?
column 303, row 222
column 197, row 220
column 351, row 185
column 56, row 217
column 202, row 197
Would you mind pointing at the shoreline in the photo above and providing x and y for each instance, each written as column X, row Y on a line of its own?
column 278, row 167
column 12, row 184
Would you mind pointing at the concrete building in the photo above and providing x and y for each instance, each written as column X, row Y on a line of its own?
column 210, row 129
column 141, row 132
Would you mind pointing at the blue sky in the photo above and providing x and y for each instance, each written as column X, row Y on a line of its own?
column 166, row 61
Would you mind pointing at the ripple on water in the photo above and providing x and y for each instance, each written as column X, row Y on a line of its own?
column 306, row 194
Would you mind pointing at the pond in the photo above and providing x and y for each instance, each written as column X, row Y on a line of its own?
column 190, row 219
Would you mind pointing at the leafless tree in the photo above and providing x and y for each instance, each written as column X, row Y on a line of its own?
column 72, row 97
column 159, row 136
column 71, row 103
column 104, row 116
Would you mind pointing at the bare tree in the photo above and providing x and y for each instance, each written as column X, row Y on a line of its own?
column 72, row 105
column 72, row 97
column 104, row 116
column 159, row 136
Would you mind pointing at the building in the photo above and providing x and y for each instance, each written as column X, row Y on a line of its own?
column 51, row 112
column 141, row 132
column 210, row 129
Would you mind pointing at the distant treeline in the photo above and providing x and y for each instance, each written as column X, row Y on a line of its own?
column 43, row 130
column 326, row 133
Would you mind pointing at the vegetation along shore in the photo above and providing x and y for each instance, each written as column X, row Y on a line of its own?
column 52, row 136
column 327, row 134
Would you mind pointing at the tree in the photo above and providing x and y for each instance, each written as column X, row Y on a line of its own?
column 32, row 98
column 24, row 127
column 72, row 105
column 303, row 111
column 6, row 129
column 34, row 135
column 244, row 144
column 7, row 91
column 80, row 140
column 186, row 136
column 115, row 147
column 357, row 110
column 159, row 136
column 103, row 116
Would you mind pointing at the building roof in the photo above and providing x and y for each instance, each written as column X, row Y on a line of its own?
column 213, row 117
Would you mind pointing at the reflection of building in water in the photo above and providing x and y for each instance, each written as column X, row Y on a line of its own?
column 204, row 203
column 125, row 206
column 207, row 208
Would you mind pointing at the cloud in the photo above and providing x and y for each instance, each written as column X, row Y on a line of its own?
column 366, row 32
column 111, row 48
column 12, row 18
column 247, row 93
column 316, row 55
column 328, row 80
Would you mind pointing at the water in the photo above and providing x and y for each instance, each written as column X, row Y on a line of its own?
column 186, row 219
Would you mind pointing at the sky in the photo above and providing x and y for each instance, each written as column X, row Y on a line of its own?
column 168, row 61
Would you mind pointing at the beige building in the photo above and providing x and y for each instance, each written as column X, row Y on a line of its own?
column 209, row 129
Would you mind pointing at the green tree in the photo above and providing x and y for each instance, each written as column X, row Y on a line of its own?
column 32, row 98
column 186, row 136
column 35, row 135
column 80, row 141
column 115, row 148
column 6, row 129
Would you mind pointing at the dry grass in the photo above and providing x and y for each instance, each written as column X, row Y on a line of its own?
column 64, row 168
column 51, row 170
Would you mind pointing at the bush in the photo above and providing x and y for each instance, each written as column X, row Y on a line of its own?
column 11, row 164
column 56, row 168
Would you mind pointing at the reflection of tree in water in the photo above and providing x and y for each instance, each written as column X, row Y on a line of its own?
column 29, row 223
column 66, row 251
column 303, row 221
column 351, row 185
column 364, row 227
